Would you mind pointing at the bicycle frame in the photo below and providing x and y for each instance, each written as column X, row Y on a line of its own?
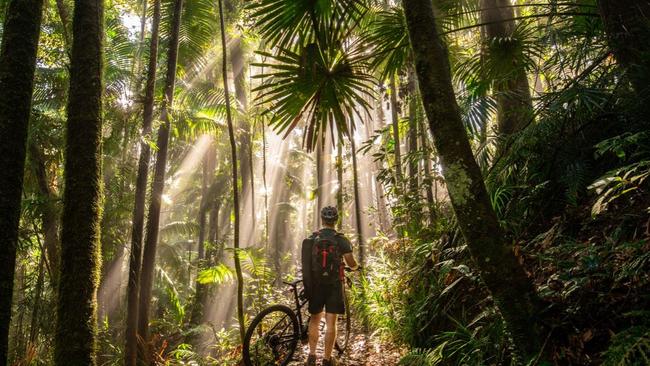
column 298, row 304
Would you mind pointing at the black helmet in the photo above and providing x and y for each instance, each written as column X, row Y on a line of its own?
column 329, row 213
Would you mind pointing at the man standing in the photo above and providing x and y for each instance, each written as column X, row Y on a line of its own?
column 323, row 254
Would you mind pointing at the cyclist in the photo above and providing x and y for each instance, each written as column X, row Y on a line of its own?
column 322, row 262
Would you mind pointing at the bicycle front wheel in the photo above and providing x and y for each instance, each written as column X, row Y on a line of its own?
column 272, row 337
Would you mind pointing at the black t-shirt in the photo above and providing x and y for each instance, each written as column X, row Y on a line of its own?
column 342, row 241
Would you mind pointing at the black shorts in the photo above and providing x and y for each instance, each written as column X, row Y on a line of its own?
column 328, row 296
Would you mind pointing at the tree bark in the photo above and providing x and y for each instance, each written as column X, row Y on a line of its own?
column 237, row 63
column 395, row 124
column 207, row 203
column 235, row 189
column 33, row 328
column 514, row 102
column 357, row 201
column 628, row 31
column 76, row 329
column 429, row 179
column 413, row 136
column 339, row 191
column 158, row 185
column 49, row 216
column 135, row 257
column 17, row 64
column 499, row 269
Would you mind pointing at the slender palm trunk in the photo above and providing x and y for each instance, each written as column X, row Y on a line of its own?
column 514, row 102
column 395, row 124
column 33, row 328
column 504, row 277
column 266, row 189
column 237, row 62
column 413, row 137
column 207, row 203
column 428, row 177
column 17, row 65
column 153, row 219
column 135, row 257
column 339, row 192
column 628, row 30
column 233, row 149
column 49, row 214
column 76, row 329
column 62, row 10
column 357, row 201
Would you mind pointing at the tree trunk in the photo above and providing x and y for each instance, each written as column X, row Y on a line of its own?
column 504, row 277
column 357, row 201
column 76, row 329
column 514, row 102
column 237, row 63
column 339, row 192
column 628, row 31
column 49, row 216
column 428, row 177
column 395, row 124
column 33, row 329
column 158, row 185
column 233, row 150
column 62, row 9
column 135, row 257
column 413, row 136
column 17, row 63
column 207, row 202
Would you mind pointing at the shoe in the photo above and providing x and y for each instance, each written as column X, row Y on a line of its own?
column 330, row 362
column 311, row 360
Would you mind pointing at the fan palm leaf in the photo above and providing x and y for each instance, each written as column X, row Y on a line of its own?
column 321, row 87
column 287, row 23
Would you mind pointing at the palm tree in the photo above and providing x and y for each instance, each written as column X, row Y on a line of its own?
column 512, row 291
column 17, row 64
column 628, row 31
column 75, row 342
column 501, row 45
column 314, row 75
column 235, row 189
column 135, row 258
column 153, row 219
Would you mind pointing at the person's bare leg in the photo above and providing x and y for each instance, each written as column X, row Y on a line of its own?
column 314, row 332
column 330, row 334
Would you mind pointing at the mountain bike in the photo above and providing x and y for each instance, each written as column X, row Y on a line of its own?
column 274, row 334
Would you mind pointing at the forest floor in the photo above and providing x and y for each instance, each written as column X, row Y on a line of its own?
column 363, row 350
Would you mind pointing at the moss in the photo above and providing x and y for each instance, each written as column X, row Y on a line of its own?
column 458, row 182
column 76, row 329
column 17, row 64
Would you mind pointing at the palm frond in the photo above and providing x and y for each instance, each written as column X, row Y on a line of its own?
column 321, row 87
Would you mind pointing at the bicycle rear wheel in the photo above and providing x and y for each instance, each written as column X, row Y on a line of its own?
column 272, row 337
column 344, row 328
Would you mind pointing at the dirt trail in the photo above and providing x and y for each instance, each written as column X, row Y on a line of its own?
column 362, row 351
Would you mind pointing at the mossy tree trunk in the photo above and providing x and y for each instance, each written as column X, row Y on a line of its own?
column 17, row 64
column 76, row 329
column 628, row 31
column 158, row 185
column 499, row 269
column 514, row 102
column 135, row 257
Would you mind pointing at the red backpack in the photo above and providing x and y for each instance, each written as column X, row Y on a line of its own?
column 326, row 263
